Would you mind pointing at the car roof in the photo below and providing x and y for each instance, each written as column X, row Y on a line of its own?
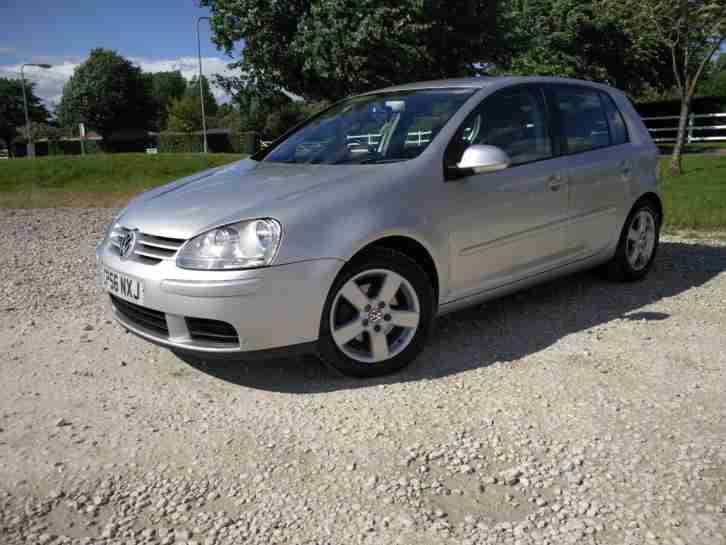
column 486, row 81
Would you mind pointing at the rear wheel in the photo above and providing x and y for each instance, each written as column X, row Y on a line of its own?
column 637, row 246
column 377, row 315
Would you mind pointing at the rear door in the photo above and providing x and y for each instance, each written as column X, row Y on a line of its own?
column 594, row 141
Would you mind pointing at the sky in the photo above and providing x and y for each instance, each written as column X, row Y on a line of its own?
column 157, row 35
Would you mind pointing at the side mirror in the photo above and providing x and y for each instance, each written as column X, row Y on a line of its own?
column 478, row 159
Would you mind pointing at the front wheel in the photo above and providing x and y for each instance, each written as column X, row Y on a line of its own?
column 377, row 315
column 637, row 246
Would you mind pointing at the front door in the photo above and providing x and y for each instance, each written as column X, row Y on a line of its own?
column 509, row 224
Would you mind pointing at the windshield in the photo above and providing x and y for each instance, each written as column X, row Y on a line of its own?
column 377, row 128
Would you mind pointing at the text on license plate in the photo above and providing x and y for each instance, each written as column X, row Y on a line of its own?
column 123, row 286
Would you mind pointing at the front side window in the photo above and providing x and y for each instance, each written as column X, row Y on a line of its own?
column 582, row 119
column 513, row 120
column 377, row 128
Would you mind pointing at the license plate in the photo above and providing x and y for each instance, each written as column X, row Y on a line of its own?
column 123, row 286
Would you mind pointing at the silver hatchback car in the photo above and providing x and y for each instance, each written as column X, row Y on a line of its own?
column 351, row 233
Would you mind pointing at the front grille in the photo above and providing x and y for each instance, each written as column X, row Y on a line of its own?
column 158, row 248
column 151, row 249
column 201, row 329
column 142, row 316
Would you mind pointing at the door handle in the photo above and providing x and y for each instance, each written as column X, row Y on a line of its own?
column 555, row 183
column 625, row 168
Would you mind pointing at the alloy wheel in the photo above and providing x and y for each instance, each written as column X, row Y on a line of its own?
column 374, row 316
column 640, row 243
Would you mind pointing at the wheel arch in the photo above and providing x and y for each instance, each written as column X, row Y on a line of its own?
column 413, row 249
column 654, row 199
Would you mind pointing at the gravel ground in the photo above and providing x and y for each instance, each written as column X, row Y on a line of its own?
column 576, row 412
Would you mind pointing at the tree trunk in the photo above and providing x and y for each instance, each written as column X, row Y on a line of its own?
column 676, row 167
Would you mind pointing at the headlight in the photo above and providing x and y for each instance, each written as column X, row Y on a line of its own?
column 240, row 245
column 110, row 229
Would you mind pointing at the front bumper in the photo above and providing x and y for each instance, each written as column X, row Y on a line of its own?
column 269, row 308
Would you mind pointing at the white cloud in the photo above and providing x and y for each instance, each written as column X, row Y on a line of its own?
column 189, row 67
column 49, row 83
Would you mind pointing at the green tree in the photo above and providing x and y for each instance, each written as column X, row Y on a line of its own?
column 107, row 93
column 279, row 121
column 327, row 49
column 228, row 117
column 164, row 87
column 575, row 38
column 255, row 107
column 185, row 114
column 12, row 115
column 691, row 30
column 192, row 90
column 715, row 84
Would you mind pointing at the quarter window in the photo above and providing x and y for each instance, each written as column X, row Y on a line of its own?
column 618, row 130
column 583, row 119
column 514, row 121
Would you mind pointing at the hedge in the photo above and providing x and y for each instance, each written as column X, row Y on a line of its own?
column 73, row 147
column 700, row 105
column 217, row 142
column 57, row 147
column 165, row 142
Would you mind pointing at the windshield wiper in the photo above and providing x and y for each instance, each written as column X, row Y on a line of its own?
column 380, row 161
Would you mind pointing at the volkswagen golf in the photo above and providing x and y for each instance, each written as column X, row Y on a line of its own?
column 347, row 236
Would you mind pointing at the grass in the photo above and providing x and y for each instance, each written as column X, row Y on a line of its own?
column 695, row 201
column 105, row 180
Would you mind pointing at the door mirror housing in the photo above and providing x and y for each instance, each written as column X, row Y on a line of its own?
column 479, row 158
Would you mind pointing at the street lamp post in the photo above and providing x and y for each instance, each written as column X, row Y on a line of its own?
column 201, row 87
column 25, row 106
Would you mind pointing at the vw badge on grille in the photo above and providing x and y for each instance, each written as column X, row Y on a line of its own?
column 127, row 243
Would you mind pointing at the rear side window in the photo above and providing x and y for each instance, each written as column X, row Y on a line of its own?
column 583, row 121
column 618, row 130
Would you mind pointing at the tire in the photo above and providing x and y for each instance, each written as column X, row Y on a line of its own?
column 383, row 302
column 623, row 267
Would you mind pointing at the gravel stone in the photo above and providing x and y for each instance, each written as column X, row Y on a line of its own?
column 580, row 411
column 511, row 476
